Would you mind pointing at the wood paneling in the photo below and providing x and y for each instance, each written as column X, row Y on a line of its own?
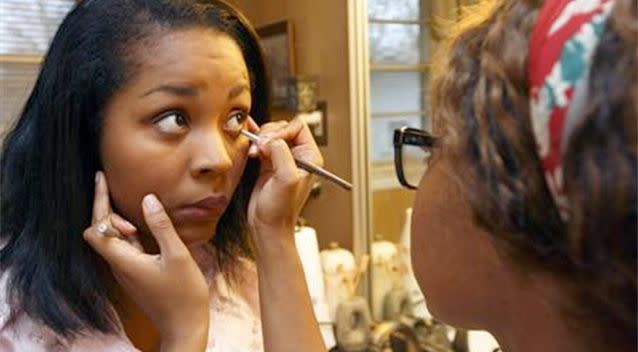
column 388, row 212
column 321, row 49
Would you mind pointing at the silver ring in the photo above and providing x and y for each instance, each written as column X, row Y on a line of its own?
column 102, row 229
column 106, row 230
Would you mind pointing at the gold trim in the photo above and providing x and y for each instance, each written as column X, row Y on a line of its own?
column 21, row 59
column 359, row 129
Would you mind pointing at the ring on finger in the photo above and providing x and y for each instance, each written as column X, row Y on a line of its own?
column 103, row 229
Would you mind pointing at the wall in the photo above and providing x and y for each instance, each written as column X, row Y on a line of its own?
column 389, row 220
column 321, row 49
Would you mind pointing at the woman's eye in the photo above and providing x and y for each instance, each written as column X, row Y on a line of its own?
column 172, row 122
column 235, row 122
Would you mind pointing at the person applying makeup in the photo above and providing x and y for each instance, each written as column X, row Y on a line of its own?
column 129, row 196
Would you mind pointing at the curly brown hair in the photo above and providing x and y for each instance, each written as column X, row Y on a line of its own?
column 480, row 104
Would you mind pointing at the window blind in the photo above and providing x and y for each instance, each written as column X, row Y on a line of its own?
column 26, row 29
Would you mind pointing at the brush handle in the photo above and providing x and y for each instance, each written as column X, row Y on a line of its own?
column 310, row 167
column 314, row 169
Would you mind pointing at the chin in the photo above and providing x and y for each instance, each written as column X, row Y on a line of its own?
column 444, row 302
column 196, row 233
column 453, row 308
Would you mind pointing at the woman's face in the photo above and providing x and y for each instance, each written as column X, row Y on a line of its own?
column 174, row 130
column 454, row 262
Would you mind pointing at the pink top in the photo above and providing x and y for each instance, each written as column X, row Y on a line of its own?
column 234, row 319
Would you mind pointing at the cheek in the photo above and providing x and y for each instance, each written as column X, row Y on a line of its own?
column 421, row 244
column 438, row 244
column 136, row 164
column 454, row 261
column 135, row 167
column 238, row 152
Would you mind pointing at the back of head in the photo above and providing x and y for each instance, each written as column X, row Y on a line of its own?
column 481, row 105
column 50, row 157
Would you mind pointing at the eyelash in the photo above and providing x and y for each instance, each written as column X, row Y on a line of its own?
column 241, row 115
column 183, row 120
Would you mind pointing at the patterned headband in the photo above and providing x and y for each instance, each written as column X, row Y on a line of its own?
column 563, row 42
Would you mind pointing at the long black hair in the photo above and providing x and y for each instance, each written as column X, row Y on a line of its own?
column 50, row 157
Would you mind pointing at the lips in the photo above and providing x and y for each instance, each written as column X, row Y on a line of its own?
column 207, row 209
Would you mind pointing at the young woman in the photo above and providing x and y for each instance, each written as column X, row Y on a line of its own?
column 128, row 196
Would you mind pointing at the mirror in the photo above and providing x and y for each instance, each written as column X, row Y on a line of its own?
column 399, row 44
column 399, row 38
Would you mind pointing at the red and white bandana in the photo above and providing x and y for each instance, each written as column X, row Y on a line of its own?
column 563, row 42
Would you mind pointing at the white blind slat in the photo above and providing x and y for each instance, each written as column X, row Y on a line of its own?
column 26, row 28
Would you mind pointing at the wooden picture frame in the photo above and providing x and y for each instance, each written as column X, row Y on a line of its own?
column 278, row 41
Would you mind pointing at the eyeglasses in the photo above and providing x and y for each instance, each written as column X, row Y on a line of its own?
column 412, row 151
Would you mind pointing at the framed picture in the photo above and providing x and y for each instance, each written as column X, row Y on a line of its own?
column 320, row 129
column 278, row 41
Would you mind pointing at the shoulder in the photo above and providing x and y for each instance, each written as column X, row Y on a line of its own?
column 19, row 332
column 5, row 310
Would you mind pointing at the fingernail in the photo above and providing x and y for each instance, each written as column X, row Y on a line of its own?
column 121, row 223
column 152, row 204
column 130, row 226
column 97, row 177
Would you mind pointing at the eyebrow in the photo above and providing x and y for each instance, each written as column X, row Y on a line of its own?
column 174, row 90
column 192, row 91
column 237, row 90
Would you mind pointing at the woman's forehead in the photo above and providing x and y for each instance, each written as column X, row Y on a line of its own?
column 198, row 56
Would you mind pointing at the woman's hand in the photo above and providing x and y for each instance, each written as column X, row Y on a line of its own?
column 169, row 287
column 282, row 188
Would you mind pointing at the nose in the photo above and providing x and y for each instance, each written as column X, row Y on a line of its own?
column 210, row 154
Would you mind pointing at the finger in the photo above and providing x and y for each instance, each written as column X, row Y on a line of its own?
column 253, row 150
column 284, row 167
column 270, row 128
column 117, row 252
column 134, row 240
column 296, row 131
column 101, row 203
column 105, row 229
column 122, row 225
column 252, row 125
column 161, row 227
column 298, row 136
